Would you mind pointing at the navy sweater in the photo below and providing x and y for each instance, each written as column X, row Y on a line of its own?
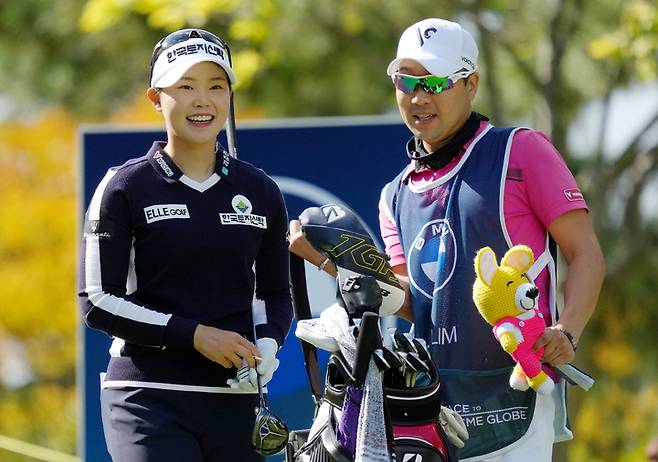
column 162, row 253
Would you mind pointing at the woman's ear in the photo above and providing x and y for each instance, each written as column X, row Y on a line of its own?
column 154, row 95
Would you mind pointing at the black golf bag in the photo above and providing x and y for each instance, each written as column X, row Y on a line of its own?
column 412, row 400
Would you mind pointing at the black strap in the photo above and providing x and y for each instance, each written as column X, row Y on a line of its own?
column 302, row 310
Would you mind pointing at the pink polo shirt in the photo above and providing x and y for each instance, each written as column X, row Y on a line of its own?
column 538, row 189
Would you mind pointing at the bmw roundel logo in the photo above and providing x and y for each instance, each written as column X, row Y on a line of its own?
column 432, row 257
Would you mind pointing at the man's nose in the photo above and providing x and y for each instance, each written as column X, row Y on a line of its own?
column 420, row 96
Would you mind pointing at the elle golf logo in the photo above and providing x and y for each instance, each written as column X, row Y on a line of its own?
column 243, row 215
column 432, row 257
column 166, row 212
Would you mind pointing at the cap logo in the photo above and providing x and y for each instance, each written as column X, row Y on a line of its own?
column 427, row 34
column 192, row 49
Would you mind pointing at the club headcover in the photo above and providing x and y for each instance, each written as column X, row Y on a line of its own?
column 359, row 294
column 339, row 232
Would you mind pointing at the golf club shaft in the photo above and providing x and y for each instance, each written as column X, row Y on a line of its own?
column 230, row 120
column 230, row 129
column 233, row 151
column 261, row 395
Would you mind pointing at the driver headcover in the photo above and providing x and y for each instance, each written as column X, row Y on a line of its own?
column 339, row 232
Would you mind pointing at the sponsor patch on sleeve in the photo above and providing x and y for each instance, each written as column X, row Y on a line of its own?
column 573, row 195
column 102, row 229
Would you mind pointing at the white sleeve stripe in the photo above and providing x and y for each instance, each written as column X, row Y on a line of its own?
column 115, row 348
column 131, row 283
column 125, row 309
column 93, row 280
column 95, row 204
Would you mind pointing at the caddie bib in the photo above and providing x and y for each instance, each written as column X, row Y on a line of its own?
column 441, row 227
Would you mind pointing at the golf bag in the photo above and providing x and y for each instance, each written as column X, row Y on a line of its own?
column 412, row 416
column 410, row 382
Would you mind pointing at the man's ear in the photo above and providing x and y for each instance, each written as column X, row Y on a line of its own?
column 154, row 96
column 472, row 82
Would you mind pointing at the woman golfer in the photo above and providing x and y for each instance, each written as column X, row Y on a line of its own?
column 178, row 244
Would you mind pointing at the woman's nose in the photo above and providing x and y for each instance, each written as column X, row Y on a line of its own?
column 201, row 98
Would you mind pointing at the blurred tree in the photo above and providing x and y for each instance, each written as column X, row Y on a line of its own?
column 37, row 242
column 543, row 63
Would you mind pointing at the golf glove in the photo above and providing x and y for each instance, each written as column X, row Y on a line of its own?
column 454, row 427
column 246, row 378
column 266, row 368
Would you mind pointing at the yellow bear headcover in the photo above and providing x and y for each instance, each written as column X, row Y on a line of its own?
column 495, row 286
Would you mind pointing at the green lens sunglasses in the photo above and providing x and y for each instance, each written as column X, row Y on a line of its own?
column 429, row 83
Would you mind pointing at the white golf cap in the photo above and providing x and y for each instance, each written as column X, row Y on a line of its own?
column 442, row 47
column 174, row 61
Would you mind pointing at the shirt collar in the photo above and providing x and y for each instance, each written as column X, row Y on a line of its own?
column 169, row 171
column 225, row 164
column 415, row 144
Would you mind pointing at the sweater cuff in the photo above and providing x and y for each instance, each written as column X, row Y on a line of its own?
column 179, row 333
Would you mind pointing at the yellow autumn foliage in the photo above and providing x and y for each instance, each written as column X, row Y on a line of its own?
column 636, row 37
column 615, row 358
column 37, row 251
column 167, row 14
column 615, row 419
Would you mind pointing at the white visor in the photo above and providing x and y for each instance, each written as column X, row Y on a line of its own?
column 175, row 61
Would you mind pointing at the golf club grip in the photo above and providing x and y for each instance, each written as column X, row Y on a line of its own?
column 302, row 310
column 366, row 343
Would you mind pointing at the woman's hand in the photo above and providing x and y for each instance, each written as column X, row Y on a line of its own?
column 224, row 347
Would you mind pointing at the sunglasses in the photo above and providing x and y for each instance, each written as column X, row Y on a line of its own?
column 181, row 36
column 428, row 83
